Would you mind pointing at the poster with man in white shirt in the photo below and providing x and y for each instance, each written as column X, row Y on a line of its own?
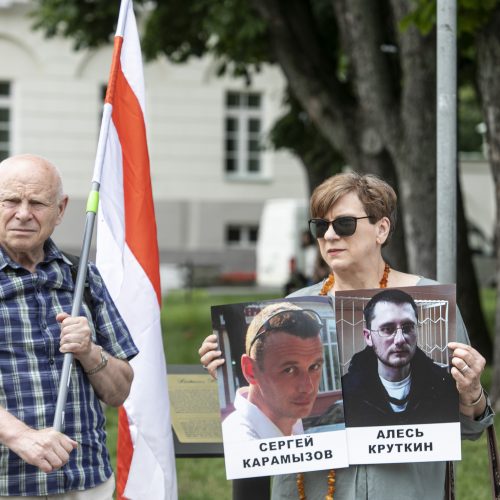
column 282, row 367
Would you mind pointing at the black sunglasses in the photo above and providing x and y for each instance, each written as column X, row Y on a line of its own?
column 343, row 226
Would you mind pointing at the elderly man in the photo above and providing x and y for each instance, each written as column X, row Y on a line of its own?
column 36, row 288
column 392, row 381
column 282, row 364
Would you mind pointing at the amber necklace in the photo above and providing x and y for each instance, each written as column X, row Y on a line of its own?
column 327, row 286
column 330, row 281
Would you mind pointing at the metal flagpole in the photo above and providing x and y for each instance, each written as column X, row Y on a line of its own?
column 92, row 206
column 446, row 153
column 446, row 192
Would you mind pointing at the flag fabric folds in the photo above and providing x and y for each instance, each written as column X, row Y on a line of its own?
column 127, row 257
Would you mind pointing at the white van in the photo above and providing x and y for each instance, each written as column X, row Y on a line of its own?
column 281, row 225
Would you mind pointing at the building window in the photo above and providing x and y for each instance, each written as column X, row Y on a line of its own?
column 5, row 119
column 241, row 235
column 243, row 133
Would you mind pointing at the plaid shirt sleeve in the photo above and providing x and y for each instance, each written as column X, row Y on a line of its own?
column 109, row 329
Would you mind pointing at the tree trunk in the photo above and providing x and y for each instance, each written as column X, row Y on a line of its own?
column 468, row 298
column 345, row 122
column 488, row 74
column 380, row 114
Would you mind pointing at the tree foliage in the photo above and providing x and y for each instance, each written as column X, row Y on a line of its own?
column 361, row 83
column 89, row 23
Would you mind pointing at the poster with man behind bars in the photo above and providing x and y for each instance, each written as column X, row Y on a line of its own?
column 400, row 400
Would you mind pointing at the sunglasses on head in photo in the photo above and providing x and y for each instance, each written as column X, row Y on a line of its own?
column 343, row 226
column 289, row 320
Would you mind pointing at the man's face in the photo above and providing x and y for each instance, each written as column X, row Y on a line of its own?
column 288, row 379
column 396, row 351
column 30, row 207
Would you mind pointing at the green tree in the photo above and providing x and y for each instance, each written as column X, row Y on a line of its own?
column 488, row 76
column 365, row 85
column 479, row 33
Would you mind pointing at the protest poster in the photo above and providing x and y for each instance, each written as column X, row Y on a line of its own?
column 279, row 389
column 400, row 401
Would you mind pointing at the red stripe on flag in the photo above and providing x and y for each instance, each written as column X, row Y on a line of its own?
column 146, row 465
column 124, row 452
column 140, row 222
column 115, row 66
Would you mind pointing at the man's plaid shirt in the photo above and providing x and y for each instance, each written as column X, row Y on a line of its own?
column 30, row 367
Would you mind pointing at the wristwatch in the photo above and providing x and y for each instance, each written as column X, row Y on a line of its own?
column 101, row 365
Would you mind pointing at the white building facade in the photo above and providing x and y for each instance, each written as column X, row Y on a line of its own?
column 210, row 173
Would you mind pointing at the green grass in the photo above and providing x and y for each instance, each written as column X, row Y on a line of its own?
column 473, row 479
column 186, row 322
column 488, row 299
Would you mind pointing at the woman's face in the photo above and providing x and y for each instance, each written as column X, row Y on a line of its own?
column 341, row 252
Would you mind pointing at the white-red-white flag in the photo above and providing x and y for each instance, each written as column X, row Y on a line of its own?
column 127, row 257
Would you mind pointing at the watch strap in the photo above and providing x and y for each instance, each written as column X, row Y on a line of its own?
column 101, row 365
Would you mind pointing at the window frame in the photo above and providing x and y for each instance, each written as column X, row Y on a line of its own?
column 245, row 240
column 7, row 125
column 241, row 144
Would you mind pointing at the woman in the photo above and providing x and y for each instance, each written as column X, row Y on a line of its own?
column 353, row 217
